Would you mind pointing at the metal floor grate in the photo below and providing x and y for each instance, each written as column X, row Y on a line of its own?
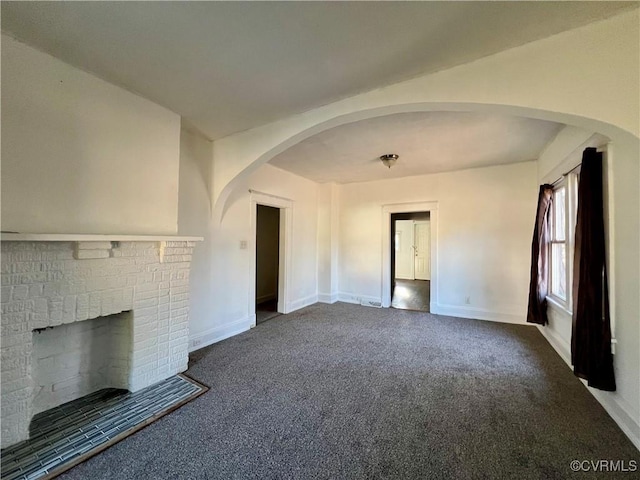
column 66, row 435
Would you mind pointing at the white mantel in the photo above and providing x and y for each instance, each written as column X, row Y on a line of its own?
column 88, row 237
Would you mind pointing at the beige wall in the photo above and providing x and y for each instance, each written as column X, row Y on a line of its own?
column 483, row 237
column 222, row 308
column 328, row 239
column 194, row 218
column 80, row 155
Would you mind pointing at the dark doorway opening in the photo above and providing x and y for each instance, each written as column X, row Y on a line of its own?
column 411, row 261
column 267, row 262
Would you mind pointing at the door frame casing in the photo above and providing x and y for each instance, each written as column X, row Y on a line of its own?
column 285, row 245
column 387, row 210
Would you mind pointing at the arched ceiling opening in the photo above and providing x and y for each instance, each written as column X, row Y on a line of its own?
column 543, row 120
column 427, row 142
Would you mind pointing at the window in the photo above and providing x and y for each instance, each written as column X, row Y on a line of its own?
column 562, row 221
column 558, row 243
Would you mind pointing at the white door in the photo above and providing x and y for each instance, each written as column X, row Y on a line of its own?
column 405, row 263
column 422, row 233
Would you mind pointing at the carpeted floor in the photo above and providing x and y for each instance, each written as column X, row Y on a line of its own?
column 344, row 391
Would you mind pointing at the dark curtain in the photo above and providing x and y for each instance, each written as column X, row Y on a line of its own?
column 537, row 310
column 591, row 332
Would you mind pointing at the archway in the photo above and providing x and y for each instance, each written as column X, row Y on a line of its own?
column 222, row 196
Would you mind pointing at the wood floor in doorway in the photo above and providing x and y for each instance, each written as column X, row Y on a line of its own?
column 266, row 311
column 411, row 295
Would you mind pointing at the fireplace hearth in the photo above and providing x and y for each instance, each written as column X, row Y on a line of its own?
column 119, row 308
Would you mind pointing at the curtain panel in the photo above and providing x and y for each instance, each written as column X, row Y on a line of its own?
column 538, row 283
column 591, row 330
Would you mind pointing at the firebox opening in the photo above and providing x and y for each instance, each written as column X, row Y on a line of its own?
column 72, row 360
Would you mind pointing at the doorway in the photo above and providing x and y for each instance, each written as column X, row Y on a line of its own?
column 267, row 262
column 411, row 261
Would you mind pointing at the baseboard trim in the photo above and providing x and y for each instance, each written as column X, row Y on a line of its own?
column 219, row 333
column 620, row 414
column 479, row 314
column 266, row 298
column 328, row 297
column 559, row 344
column 358, row 299
column 302, row 302
column 615, row 408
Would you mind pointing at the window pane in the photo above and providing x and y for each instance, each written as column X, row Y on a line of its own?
column 559, row 214
column 558, row 270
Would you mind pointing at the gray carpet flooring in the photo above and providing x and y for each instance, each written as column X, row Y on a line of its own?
column 344, row 391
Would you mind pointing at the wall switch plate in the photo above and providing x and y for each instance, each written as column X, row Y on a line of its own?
column 243, row 244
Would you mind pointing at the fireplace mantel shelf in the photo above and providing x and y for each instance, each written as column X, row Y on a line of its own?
column 83, row 237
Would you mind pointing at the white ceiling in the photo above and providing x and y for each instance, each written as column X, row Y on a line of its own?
column 427, row 142
column 229, row 66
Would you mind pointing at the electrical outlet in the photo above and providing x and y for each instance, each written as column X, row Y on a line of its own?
column 196, row 342
column 467, row 300
column 243, row 244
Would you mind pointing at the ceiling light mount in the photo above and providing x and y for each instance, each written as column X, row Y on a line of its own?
column 389, row 159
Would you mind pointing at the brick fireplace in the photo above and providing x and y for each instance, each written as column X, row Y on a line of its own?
column 130, row 298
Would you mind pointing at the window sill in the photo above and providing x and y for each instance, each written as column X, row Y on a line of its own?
column 556, row 305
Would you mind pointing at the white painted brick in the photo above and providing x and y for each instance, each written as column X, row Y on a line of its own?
column 16, row 339
column 87, row 254
column 20, row 292
column 179, row 312
column 55, row 311
column 16, row 408
column 179, row 283
column 69, row 309
column 95, row 303
column 177, row 289
column 15, row 307
column 47, row 283
column 51, row 290
column 36, row 290
column 16, row 385
column 14, row 328
column 5, row 294
column 179, row 297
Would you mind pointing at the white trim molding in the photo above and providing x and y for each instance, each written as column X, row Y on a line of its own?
column 476, row 313
column 302, row 302
column 387, row 210
column 355, row 298
column 286, row 242
column 85, row 237
column 219, row 333
column 328, row 297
